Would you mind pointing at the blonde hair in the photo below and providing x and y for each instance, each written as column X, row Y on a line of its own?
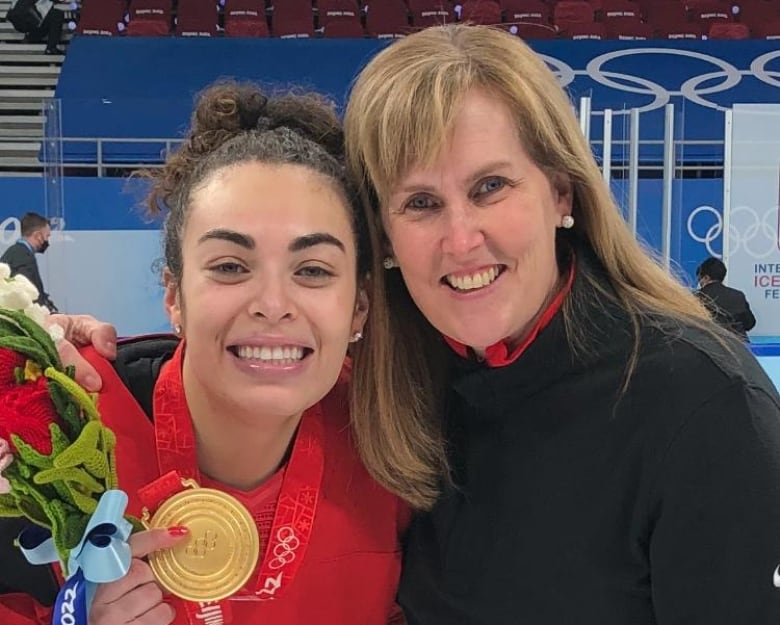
column 399, row 115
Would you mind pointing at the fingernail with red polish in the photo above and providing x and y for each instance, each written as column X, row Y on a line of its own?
column 178, row 530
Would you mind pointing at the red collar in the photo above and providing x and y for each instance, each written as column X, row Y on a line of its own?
column 499, row 354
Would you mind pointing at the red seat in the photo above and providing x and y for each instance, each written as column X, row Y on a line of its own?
column 711, row 11
column 344, row 29
column 481, row 12
column 339, row 11
column 196, row 18
column 677, row 30
column 628, row 30
column 664, row 11
column 531, row 30
column 534, row 11
column 245, row 18
column 150, row 17
column 756, row 12
column 579, row 31
column 573, row 12
column 387, row 19
column 569, row 15
column 293, row 19
column 767, row 30
column 430, row 13
column 728, row 30
column 620, row 9
column 101, row 17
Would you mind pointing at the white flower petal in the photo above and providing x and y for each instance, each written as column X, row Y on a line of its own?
column 38, row 313
column 56, row 332
column 15, row 300
column 5, row 271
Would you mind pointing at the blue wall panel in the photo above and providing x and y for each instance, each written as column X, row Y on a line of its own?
column 144, row 87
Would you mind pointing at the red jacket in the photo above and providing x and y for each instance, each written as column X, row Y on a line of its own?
column 351, row 567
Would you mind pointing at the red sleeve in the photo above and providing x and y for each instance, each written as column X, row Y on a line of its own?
column 20, row 609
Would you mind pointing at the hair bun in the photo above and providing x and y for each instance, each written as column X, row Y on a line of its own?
column 230, row 107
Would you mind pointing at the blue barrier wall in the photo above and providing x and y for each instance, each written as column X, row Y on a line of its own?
column 143, row 87
column 103, row 261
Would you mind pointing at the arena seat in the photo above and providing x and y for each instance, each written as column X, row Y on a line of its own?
column 481, row 12
column 150, row 17
column 343, row 29
column 245, row 18
column 629, row 30
column 101, row 17
column 728, row 30
column 344, row 12
column 196, row 18
column 293, row 19
column 526, row 11
column 387, row 19
column 430, row 13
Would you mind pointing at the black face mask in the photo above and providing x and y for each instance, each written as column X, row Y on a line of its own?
column 44, row 246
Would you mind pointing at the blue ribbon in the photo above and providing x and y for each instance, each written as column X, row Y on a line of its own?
column 102, row 555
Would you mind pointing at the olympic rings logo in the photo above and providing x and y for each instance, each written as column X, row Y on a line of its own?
column 693, row 89
column 754, row 233
column 284, row 549
column 10, row 231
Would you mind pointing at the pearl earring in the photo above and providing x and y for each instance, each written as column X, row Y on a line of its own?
column 567, row 222
column 389, row 262
column 177, row 329
column 355, row 337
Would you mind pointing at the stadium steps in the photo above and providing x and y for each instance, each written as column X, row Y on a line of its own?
column 27, row 78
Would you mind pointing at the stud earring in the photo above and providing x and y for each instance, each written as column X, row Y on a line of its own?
column 567, row 222
column 355, row 337
column 177, row 329
column 389, row 262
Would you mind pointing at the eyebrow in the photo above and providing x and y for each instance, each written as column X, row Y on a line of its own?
column 482, row 171
column 222, row 234
column 315, row 238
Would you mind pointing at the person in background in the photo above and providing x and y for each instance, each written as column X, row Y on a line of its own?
column 20, row 257
column 728, row 307
column 39, row 21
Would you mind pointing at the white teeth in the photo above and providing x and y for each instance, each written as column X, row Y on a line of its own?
column 474, row 281
column 285, row 354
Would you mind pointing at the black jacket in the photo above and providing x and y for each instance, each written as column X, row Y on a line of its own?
column 729, row 307
column 22, row 261
column 577, row 503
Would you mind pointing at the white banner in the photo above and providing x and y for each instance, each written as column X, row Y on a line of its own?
column 753, row 252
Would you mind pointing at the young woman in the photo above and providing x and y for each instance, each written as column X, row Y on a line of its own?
column 266, row 261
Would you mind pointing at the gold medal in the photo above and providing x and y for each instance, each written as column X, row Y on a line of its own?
column 220, row 553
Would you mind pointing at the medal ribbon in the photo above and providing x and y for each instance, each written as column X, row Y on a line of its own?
column 300, row 491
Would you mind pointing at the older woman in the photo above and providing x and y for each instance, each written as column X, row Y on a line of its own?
column 615, row 458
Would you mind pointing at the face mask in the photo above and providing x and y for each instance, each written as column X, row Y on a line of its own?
column 44, row 246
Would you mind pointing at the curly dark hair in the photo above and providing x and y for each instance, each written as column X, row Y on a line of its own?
column 235, row 123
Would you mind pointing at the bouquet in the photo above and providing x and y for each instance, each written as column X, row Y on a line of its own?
column 57, row 464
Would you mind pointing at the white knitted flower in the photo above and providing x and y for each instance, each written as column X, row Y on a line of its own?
column 18, row 293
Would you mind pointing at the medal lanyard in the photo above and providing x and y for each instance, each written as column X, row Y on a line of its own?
column 301, row 486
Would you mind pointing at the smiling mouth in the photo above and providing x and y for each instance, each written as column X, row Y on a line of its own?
column 474, row 281
column 272, row 355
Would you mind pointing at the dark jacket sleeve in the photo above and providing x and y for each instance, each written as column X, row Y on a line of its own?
column 715, row 544
column 747, row 318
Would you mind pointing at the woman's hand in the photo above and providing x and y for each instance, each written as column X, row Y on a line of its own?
column 136, row 598
column 80, row 331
